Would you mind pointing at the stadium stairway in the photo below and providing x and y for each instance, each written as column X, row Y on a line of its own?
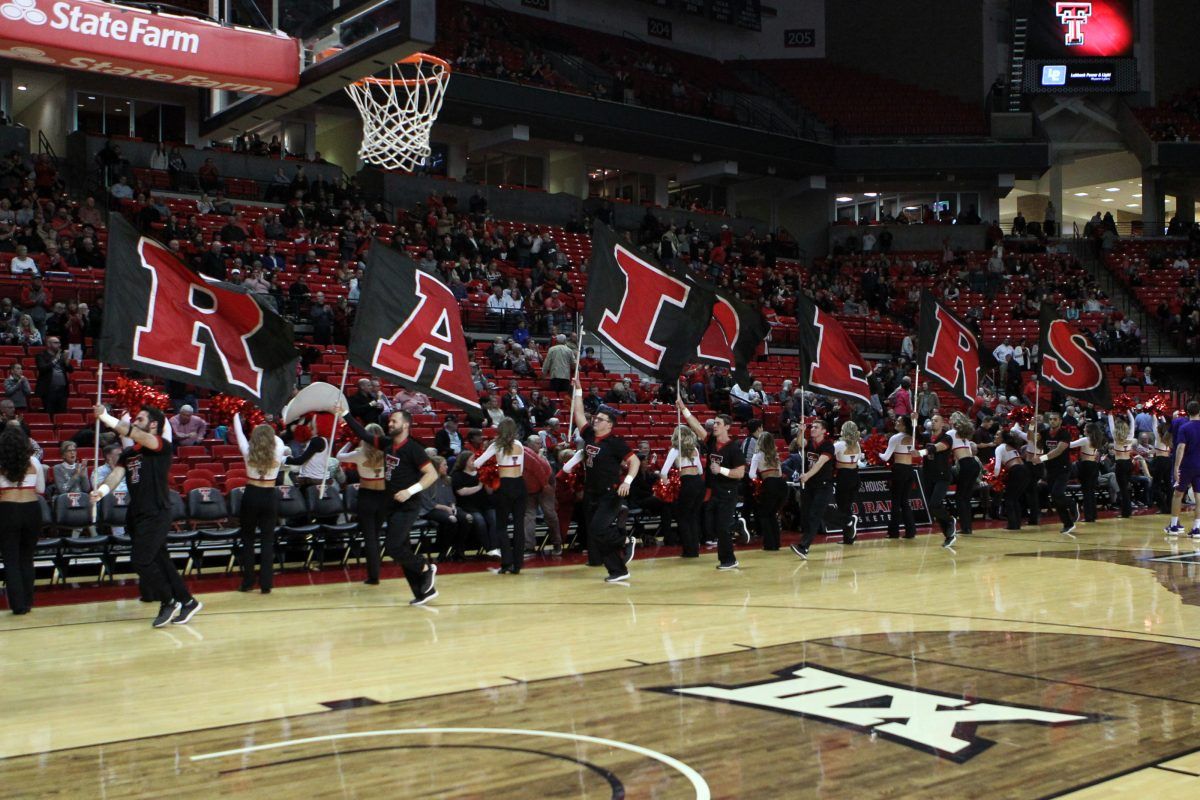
column 1155, row 342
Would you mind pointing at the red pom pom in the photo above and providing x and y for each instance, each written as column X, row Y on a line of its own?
column 667, row 492
column 873, row 447
column 756, row 486
column 129, row 394
column 489, row 475
column 1159, row 405
column 1021, row 415
column 989, row 476
column 1123, row 404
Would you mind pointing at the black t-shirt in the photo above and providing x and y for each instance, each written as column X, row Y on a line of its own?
column 727, row 456
column 476, row 501
column 1048, row 440
column 604, row 460
column 937, row 464
column 812, row 454
column 147, row 474
column 402, row 466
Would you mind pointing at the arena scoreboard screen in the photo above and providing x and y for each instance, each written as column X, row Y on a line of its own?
column 1076, row 46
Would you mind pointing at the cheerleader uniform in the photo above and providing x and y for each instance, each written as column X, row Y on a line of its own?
column 510, row 500
column 1088, row 469
column 19, row 534
column 689, row 501
column 845, row 489
column 373, row 505
column 904, row 476
column 1161, row 466
column 1123, row 455
column 259, row 512
column 771, row 498
column 968, row 479
column 1009, row 460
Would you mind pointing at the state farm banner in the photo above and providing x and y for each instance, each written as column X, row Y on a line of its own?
column 133, row 43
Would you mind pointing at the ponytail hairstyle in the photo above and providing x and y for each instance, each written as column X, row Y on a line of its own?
column 766, row 446
column 372, row 456
column 962, row 425
column 684, row 440
column 850, row 434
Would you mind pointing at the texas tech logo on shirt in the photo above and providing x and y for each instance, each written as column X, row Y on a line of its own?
column 940, row 723
column 133, row 468
column 389, row 463
column 592, row 451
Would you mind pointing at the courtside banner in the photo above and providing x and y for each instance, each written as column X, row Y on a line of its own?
column 110, row 39
column 873, row 503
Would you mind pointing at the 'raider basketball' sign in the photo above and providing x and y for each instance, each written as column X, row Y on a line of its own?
column 134, row 43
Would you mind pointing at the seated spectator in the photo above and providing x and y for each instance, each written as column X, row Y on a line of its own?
column 1129, row 379
column 589, row 362
column 70, row 475
column 112, row 458
column 209, row 177
column 121, row 190
column 22, row 263
column 27, row 333
column 186, row 427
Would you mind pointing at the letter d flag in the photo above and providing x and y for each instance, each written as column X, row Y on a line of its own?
column 162, row 319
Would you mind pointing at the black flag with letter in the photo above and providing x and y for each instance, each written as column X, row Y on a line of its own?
column 408, row 330
column 948, row 350
column 733, row 336
column 160, row 318
column 1070, row 363
column 652, row 315
column 829, row 360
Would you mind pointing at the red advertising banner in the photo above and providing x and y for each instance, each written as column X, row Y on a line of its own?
column 126, row 42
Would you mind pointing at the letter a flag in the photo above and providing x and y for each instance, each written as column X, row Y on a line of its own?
column 1070, row 363
column 829, row 361
column 408, row 330
column 653, row 317
column 733, row 336
column 162, row 319
column 947, row 349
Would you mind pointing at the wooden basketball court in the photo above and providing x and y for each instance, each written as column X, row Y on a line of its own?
column 1022, row 665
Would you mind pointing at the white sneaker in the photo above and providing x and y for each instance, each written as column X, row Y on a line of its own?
column 493, row 553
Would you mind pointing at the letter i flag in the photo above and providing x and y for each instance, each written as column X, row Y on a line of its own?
column 653, row 316
column 163, row 319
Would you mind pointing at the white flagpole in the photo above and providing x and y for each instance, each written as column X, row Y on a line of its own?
column 332, row 433
column 578, row 355
column 96, row 432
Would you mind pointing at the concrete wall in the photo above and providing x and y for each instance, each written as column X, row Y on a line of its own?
column 1176, row 31
column 12, row 138
column 338, row 142
column 937, row 45
column 917, row 237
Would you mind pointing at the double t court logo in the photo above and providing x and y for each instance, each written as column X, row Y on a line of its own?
column 933, row 722
column 1074, row 16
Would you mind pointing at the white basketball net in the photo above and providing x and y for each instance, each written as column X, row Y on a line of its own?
column 398, row 111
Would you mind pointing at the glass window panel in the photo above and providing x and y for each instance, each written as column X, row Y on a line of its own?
column 116, row 116
column 174, row 124
column 147, row 120
column 89, row 113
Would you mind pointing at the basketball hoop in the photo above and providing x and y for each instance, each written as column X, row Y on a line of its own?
column 398, row 111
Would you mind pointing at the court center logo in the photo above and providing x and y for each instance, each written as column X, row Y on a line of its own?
column 1074, row 16
column 942, row 724
column 26, row 10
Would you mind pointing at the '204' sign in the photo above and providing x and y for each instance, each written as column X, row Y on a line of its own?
column 658, row 28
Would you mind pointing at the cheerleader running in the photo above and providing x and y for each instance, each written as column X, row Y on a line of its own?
column 1009, row 460
column 847, row 456
column 1123, row 442
column 939, row 449
column 511, row 497
column 1161, row 466
column 373, row 500
column 685, row 454
column 22, row 482
column 963, row 450
column 1088, row 467
column 902, row 452
column 773, row 494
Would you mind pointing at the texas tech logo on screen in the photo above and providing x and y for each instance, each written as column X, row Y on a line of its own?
column 1074, row 16
column 425, row 349
column 943, row 724
column 187, row 314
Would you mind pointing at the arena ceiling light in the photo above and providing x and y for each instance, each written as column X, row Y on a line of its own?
column 870, row 194
column 1081, row 194
column 1138, row 196
column 1132, row 205
column 22, row 88
column 1113, row 189
column 845, row 199
column 1107, row 200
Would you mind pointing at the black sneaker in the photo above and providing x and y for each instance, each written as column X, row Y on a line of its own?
column 430, row 579
column 850, row 535
column 622, row 578
column 800, row 551
column 630, row 547
column 423, row 598
column 730, row 565
column 1068, row 530
column 166, row 613
column 951, row 538
column 187, row 611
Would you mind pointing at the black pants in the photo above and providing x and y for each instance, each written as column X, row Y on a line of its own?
column 606, row 540
column 903, row 478
column 260, row 513
column 964, row 492
column 1033, row 494
column 483, row 524
column 1056, row 482
column 814, row 504
column 1089, row 479
column 18, row 540
column 719, row 512
column 938, row 486
column 159, row 579
column 399, row 542
column 845, row 489
column 1123, row 469
column 510, row 500
column 1015, row 486
column 451, row 536
column 373, row 508
column 688, row 507
column 1160, row 473
column 771, row 498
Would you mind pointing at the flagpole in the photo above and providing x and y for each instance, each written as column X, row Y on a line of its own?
column 578, row 354
column 96, row 433
column 333, row 432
